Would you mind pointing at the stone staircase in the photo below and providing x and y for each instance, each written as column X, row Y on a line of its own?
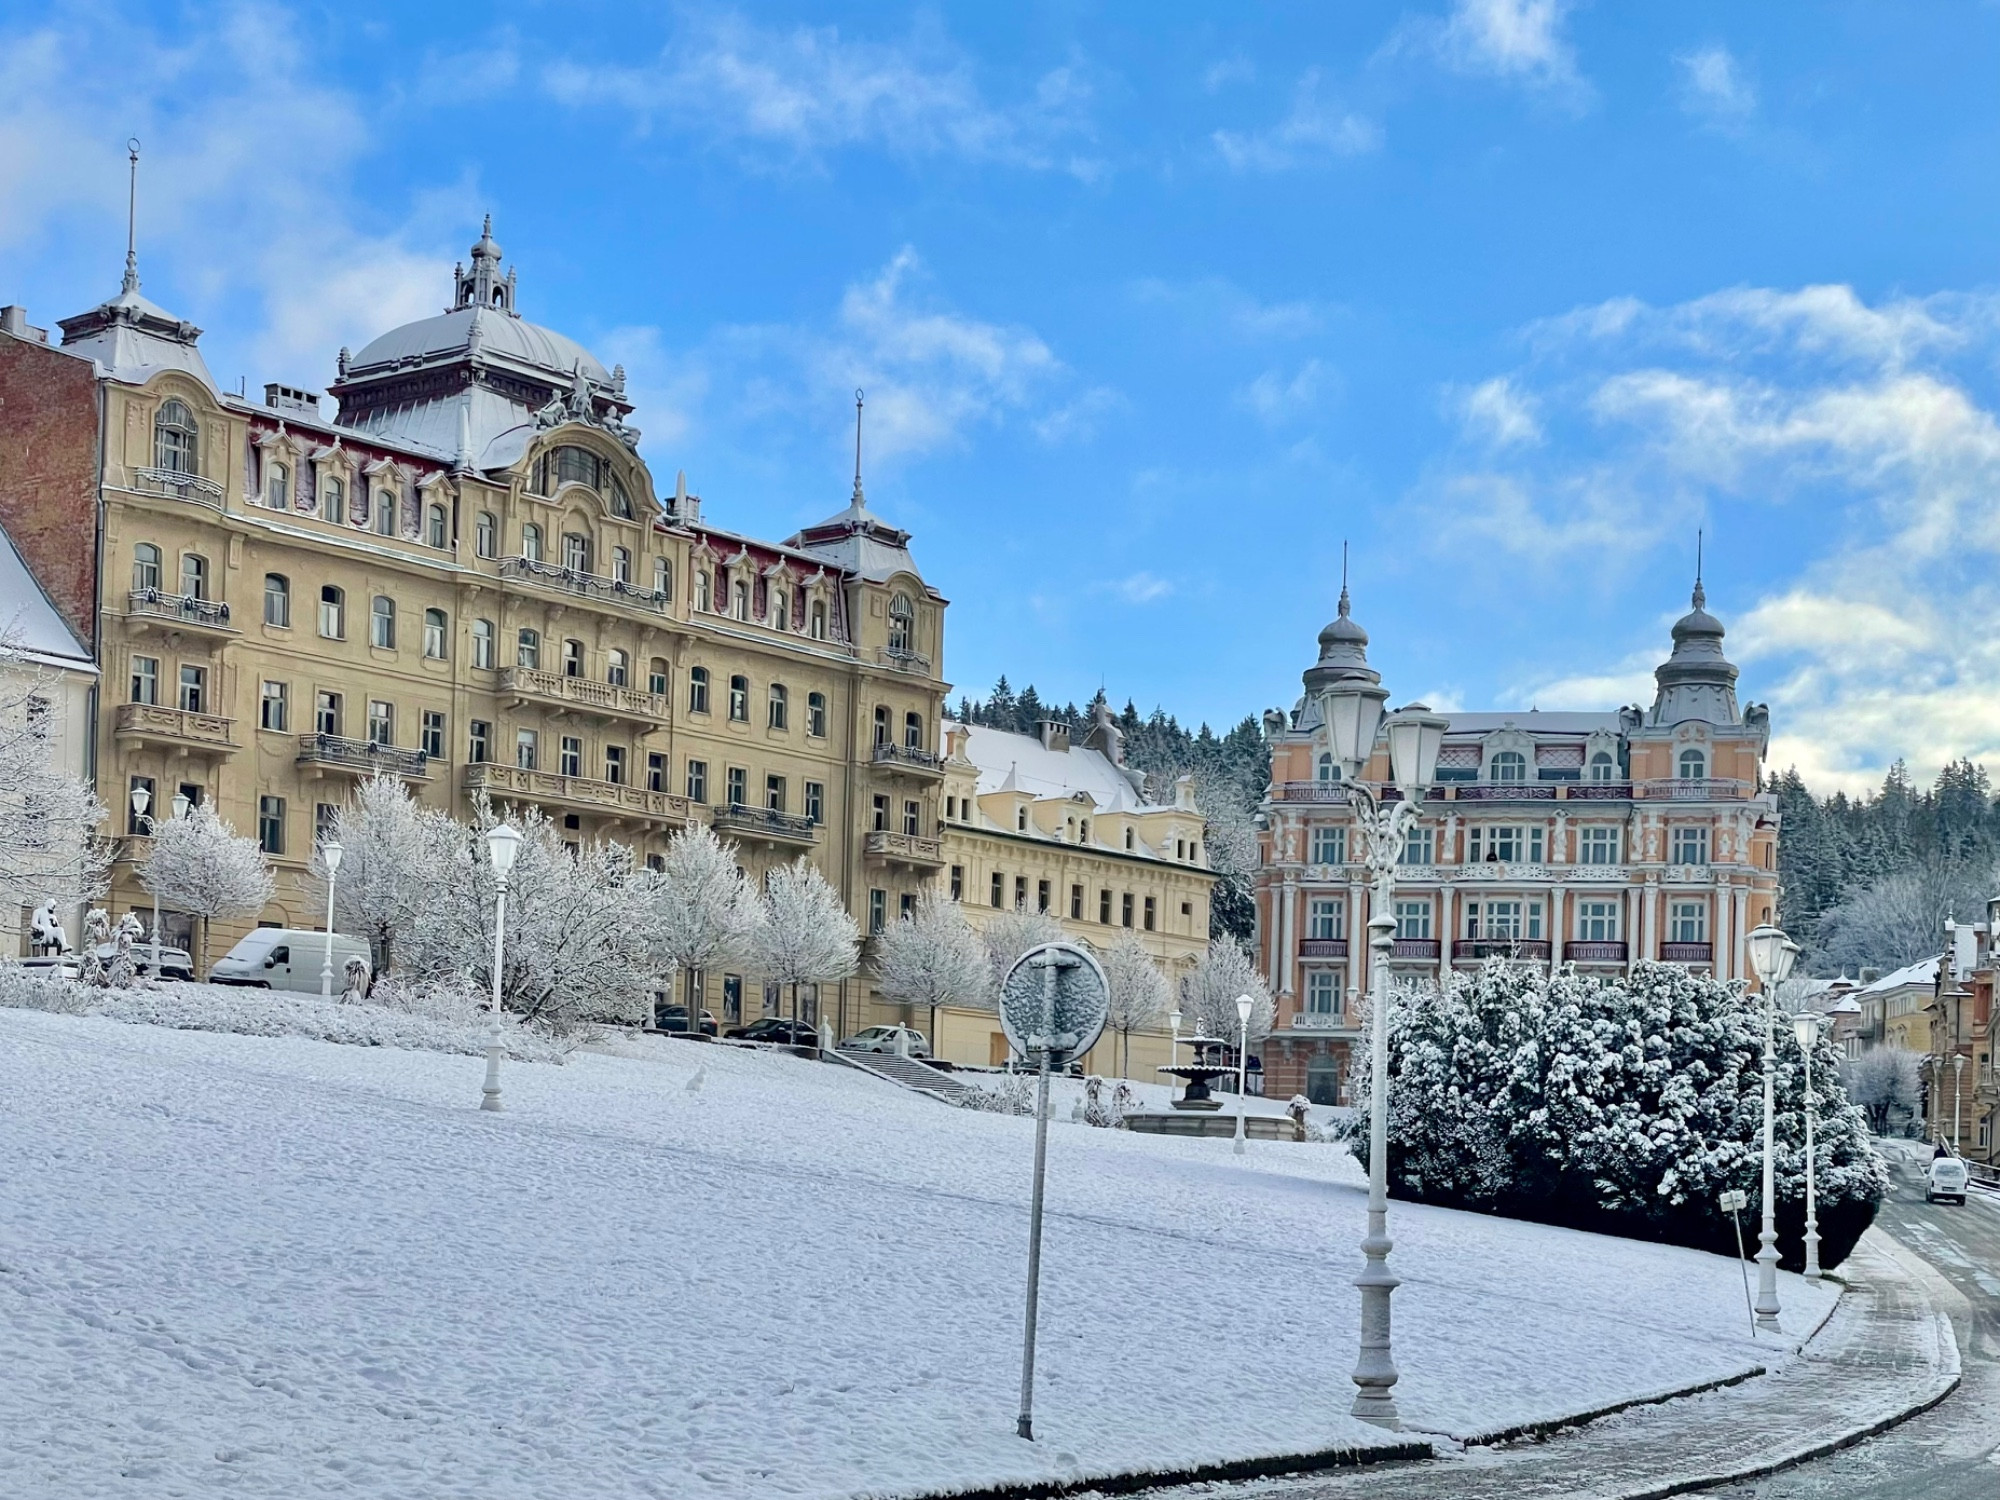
column 906, row 1072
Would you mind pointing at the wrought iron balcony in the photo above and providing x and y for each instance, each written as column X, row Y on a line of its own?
column 586, row 585
column 180, row 610
column 1322, row 947
column 763, row 823
column 178, row 727
column 1693, row 789
column 612, row 799
column 362, row 757
column 904, row 848
column 1595, row 951
column 180, row 486
column 904, row 661
column 1687, row 953
column 581, row 695
column 1321, row 1020
column 1598, row 791
column 1507, row 791
column 1308, row 791
column 896, row 757
column 1417, row 949
column 1500, row 947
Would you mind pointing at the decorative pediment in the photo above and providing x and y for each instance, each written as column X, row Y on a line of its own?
column 279, row 441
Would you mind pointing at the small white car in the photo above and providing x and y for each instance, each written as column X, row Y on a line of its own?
column 1947, row 1181
column 904, row 1039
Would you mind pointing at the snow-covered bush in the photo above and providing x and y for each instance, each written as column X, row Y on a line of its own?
column 49, row 848
column 1624, row 1106
column 199, row 865
column 1001, row 1094
column 42, row 989
column 451, row 999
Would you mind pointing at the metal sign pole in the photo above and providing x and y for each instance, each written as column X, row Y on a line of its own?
column 1025, row 1426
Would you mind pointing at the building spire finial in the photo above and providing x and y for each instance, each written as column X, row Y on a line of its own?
column 857, row 446
column 132, row 219
column 1344, row 606
column 1700, row 594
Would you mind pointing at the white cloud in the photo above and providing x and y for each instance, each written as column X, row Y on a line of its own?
column 1142, row 588
column 1076, row 421
column 1499, row 412
column 1519, row 41
column 1276, row 397
column 1713, row 88
column 801, row 92
column 1227, row 71
column 1314, row 132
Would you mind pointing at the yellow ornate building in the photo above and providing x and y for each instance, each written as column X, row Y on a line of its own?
column 467, row 578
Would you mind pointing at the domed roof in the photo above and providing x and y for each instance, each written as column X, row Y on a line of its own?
column 1696, row 681
column 450, row 335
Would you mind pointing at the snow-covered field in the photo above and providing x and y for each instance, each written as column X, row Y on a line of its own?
column 235, row 1265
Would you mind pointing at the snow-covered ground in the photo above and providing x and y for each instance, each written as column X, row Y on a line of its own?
column 274, row 1266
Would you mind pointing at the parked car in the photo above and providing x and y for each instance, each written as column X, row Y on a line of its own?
column 287, row 958
column 1947, row 1182
column 175, row 963
column 778, row 1029
column 675, row 1018
column 905, row 1039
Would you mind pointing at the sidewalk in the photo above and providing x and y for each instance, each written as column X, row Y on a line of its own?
column 1886, row 1353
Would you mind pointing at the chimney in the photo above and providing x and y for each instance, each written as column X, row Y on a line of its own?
column 1055, row 734
column 14, row 320
column 291, row 398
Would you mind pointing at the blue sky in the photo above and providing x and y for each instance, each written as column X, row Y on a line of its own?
column 1156, row 304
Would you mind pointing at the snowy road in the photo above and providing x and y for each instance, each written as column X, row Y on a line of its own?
column 255, row 1266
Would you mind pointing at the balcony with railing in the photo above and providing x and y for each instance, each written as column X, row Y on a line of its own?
column 585, row 585
column 609, row 799
column 1687, row 953
column 181, row 486
column 1308, row 791
column 1322, row 947
column 903, row 758
column 1598, row 791
column 1416, row 950
column 1594, row 951
column 198, row 734
column 904, row 661
column 904, row 849
column 1321, row 1020
column 763, row 823
column 362, row 757
column 1500, row 947
column 581, row 695
column 1507, row 791
column 180, row 611
column 1693, row 789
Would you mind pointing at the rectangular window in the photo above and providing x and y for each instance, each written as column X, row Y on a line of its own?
column 145, row 679
column 774, row 793
column 1597, row 921
column 906, row 906
column 1322, row 992
column 431, row 741
column 1125, row 910
column 1419, row 846
column 1151, row 917
column 1690, row 922
column 326, row 817
column 656, row 772
column 326, row 713
column 958, row 882
column 614, row 764
column 913, row 820
column 878, row 910
column 479, row 743
column 880, row 813
column 1505, row 843
column 194, row 690
column 570, row 756
column 739, row 787
column 816, row 715
column 1329, row 845
column 732, row 997
column 271, row 824
column 1690, row 844
column 1020, row 893
column 697, row 782
column 272, row 706
column 381, row 722
column 999, row 894
column 1104, row 908
column 1041, row 895
column 816, row 801
column 1324, row 917
column 1597, row 844
column 527, row 747
column 1413, row 919
column 1076, row 903
column 1493, row 919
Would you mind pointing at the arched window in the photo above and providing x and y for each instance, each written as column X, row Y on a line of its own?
column 701, row 590
column 621, row 500
column 277, row 600
column 576, row 466
column 1128, row 838
column 697, row 690
column 385, row 513
column 174, row 438
column 1021, row 820
column 900, row 623
column 382, row 623
column 816, row 715
column 277, row 485
column 145, row 566
column 1603, row 767
column 817, row 625
column 435, row 631
column 332, row 613
column 1508, row 765
column 333, row 498
column 739, row 699
column 656, row 675
column 485, row 534
column 781, row 707
column 1328, row 769
column 881, row 725
column 528, row 649
column 621, row 565
column 572, row 658
column 482, row 643
column 617, row 669
column 576, row 552
column 1694, row 765
column 194, row 575
column 913, row 731
column 531, row 542
column 781, row 608
column 663, row 578
column 739, row 600
column 435, row 532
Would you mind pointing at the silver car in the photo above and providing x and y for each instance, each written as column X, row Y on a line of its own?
column 904, row 1039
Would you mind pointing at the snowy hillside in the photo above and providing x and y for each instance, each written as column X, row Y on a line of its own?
column 265, row 1266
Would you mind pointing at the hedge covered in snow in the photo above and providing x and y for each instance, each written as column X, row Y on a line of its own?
column 1624, row 1106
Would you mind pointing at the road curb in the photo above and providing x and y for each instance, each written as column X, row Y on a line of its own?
column 1549, row 1426
column 1322, row 1461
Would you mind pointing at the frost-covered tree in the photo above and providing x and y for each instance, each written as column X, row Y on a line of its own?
column 392, row 851
column 1139, row 991
column 702, row 910
column 1209, row 993
column 49, row 845
column 932, row 958
column 1899, row 918
column 1887, row 1085
column 803, row 934
column 200, row 866
column 1621, row 1105
column 1008, row 936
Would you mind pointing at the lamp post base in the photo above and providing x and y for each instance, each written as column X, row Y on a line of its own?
column 1767, row 1283
column 489, row 1093
column 1812, row 1254
column 1375, row 1372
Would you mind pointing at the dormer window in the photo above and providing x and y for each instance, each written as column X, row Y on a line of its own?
column 1603, row 767
column 1693, row 767
column 701, row 590
column 277, row 486
column 1507, row 765
column 901, row 623
column 1021, row 819
column 1328, row 771
column 817, row 620
column 174, row 438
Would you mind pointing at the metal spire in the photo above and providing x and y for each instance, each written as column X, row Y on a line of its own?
column 1700, row 594
column 857, row 447
column 1343, row 581
column 132, row 220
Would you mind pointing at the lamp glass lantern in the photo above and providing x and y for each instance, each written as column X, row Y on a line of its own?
column 1244, row 1004
column 331, row 851
column 1805, row 1026
column 502, row 844
column 1352, row 708
column 181, row 804
column 1174, row 1020
column 1772, row 954
column 141, row 800
column 1416, row 735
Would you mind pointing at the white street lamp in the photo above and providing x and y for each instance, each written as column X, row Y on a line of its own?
column 1174, row 1046
column 1771, row 955
column 1244, row 1005
column 1806, row 1027
column 1350, row 695
column 141, row 800
column 1957, row 1073
column 502, row 844
column 330, row 852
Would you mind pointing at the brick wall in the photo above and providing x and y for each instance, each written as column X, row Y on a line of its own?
column 48, row 473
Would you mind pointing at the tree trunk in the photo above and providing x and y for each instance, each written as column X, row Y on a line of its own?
column 201, row 962
column 1125, row 1068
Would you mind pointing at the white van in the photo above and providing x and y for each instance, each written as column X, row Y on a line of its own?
column 287, row 958
column 1947, row 1182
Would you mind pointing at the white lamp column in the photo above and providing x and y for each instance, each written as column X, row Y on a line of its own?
column 330, row 852
column 1244, row 1005
column 1806, row 1027
column 502, row 844
column 1772, row 954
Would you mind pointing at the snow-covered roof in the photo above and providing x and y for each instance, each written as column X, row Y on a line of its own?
column 1923, row 972
column 1022, row 763
column 505, row 336
column 31, row 621
column 133, row 339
